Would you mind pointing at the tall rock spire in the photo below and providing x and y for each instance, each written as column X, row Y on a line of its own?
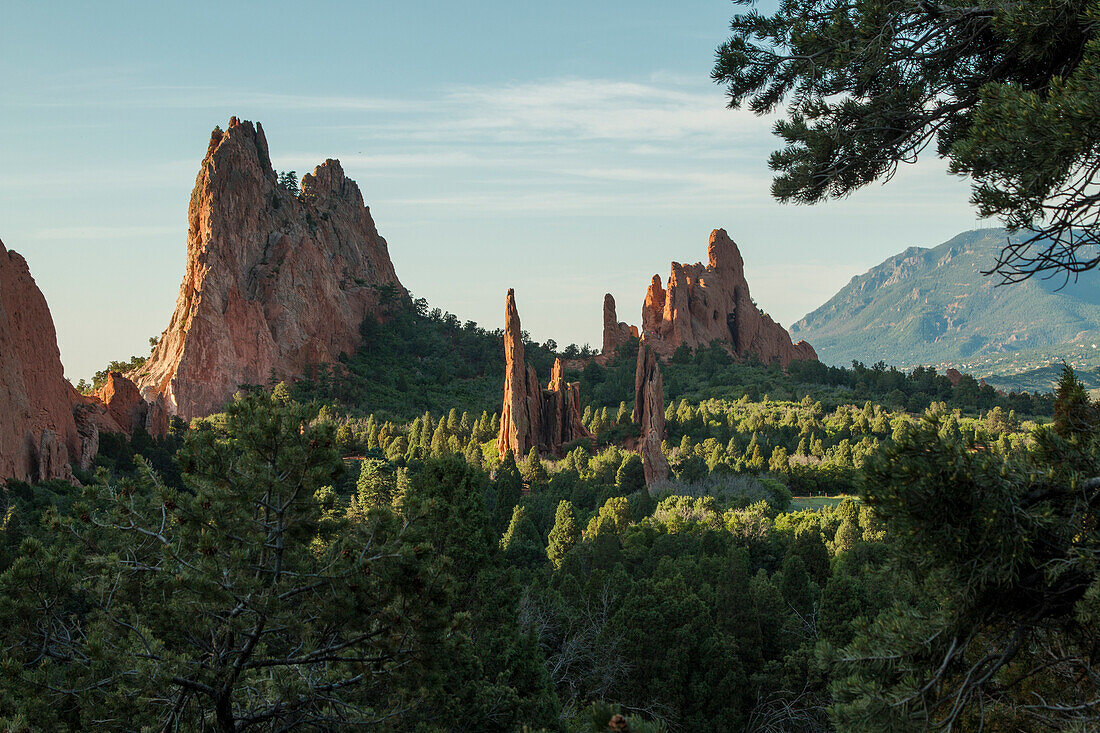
column 615, row 332
column 532, row 417
column 649, row 414
column 520, row 414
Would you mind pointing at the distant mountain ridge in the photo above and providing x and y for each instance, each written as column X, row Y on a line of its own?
column 932, row 306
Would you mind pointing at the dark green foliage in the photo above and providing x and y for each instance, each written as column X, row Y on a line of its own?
column 1004, row 551
column 1074, row 413
column 523, row 548
column 491, row 676
column 507, row 491
column 289, row 181
column 630, row 477
column 241, row 599
column 1007, row 91
column 606, row 718
column 564, row 535
column 417, row 359
column 711, row 372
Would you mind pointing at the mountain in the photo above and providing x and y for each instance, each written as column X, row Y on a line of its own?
column 934, row 307
column 276, row 279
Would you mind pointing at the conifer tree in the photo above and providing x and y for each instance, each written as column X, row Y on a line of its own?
column 507, row 491
column 521, row 543
column 631, row 475
column 564, row 535
column 243, row 600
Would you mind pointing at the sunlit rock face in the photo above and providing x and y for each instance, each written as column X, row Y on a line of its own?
column 705, row 303
column 615, row 332
column 274, row 281
column 532, row 417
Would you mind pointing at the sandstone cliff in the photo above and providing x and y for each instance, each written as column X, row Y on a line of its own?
column 704, row 303
column 649, row 414
column 273, row 283
column 615, row 332
column 532, row 417
column 38, row 435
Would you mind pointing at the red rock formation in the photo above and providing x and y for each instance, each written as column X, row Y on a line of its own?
column 615, row 332
column 519, row 416
column 123, row 401
column 954, row 376
column 532, row 417
column 274, row 282
column 38, row 435
column 705, row 303
column 649, row 414
column 561, row 423
column 128, row 410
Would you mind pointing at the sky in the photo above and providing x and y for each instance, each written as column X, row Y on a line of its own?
column 563, row 149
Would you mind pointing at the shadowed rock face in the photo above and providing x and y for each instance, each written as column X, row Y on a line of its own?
column 532, row 417
column 615, row 332
column 274, row 282
column 705, row 303
column 38, row 435
column 127, row 410
column 649, row 414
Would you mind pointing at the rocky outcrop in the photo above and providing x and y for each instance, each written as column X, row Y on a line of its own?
column 274, row 281
column 38, row 435
column 615, row 332
column 561, row 412
column 123, row 402
column 954, row 376
column 532, row 417
column 127, row 409
column 705, row 303
column 649, row 415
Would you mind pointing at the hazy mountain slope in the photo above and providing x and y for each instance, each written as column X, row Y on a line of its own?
column 933, row 306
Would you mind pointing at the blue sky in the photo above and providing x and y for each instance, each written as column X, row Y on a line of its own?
column 564, row 149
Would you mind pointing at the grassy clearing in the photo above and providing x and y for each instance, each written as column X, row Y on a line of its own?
column 817, row 502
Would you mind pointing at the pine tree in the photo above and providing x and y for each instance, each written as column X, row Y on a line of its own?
column 521, row 543
column 1074, row 412
column 263, row 592
column 565, row 534
column 532, row 470
column 507, row 491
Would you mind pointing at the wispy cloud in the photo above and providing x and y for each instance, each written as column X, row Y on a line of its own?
column 100, row 232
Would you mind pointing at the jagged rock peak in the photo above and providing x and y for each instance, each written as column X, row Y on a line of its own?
column 705, row 303
column 615, row 332
column 519, row 417
column 530, row 416
column 274, row 281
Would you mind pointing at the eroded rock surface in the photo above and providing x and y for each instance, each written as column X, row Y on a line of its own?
column 532, row 417
column 274, row 281
column 705, row 303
